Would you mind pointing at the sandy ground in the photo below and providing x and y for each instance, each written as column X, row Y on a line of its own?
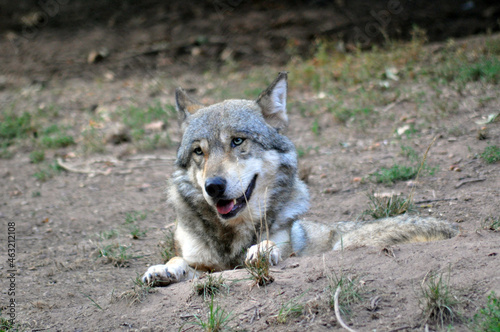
column 61, row 284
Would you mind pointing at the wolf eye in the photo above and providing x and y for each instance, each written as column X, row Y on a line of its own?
column 237, row 141
column 198, row 151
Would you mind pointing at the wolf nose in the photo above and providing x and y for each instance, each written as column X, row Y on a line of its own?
column 215, row 186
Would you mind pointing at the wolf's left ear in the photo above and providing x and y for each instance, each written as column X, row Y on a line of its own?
column 272, row 101
column 185, row 104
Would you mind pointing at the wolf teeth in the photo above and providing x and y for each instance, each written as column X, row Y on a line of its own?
column 234, row 201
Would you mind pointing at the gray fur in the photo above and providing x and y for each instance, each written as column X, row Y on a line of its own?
column 209, row 238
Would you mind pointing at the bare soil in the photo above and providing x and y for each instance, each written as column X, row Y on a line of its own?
column 61, row 284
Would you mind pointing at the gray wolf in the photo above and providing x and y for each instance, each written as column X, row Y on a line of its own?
column 236, row 179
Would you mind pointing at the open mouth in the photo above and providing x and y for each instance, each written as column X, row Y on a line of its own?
column 229, row 208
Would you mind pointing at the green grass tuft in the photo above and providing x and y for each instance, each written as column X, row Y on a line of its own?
column 351, row 291
column 291, row 308
column 486, row 69
column 259, row 268
column 210, row 285
column 14, row 127
column 217, row 318
column 6, row 325
column 115, row 254
column 47, row 170
column 388, row 206
column 37, row 156
column 488, row 318
column 134, row 216
column 395, row 173
column 491, row 154
column 491, row 223
column 437, row 301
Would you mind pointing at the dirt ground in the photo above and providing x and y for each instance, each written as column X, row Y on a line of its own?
column 62, row 285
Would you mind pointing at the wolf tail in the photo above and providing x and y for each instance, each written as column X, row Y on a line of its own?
column 379, row 233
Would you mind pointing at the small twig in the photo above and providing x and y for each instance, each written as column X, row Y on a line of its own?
column 186, row 316
column 73, row 169
column 436, row 200
column 469, row 181
column 255, row 315
column 401, row 328
column 337, row 311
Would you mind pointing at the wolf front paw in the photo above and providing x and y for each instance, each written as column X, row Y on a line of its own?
column 263, row 249
column 164, row 274
column 159, row 275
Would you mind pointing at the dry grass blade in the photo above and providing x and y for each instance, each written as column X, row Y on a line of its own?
column 388, row 206
column 210, row 285
column 259, row 268
column 437, row 301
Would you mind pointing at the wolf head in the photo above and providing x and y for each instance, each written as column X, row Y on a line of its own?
column 233, row 155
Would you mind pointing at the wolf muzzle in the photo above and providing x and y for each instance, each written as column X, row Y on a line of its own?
column 215, row 187
column 227, row 207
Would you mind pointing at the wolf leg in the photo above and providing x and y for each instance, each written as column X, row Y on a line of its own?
column 263, row 248
column 176, row 269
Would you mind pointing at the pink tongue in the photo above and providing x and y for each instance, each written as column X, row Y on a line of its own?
column 225, row 209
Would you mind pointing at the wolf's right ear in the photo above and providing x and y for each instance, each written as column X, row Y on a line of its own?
column 185, row 104
column 272, row 101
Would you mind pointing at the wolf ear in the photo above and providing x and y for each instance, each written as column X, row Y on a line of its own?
column 185, row 104
column 272, row 101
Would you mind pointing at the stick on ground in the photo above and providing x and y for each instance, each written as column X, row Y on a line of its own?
column 337, row 311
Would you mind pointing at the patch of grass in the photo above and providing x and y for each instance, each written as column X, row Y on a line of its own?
column 291, row 308
column 47, row 170
column 388, row 206
column 259, row 268
column 488, row 318
column 331, row 67
column 217, row 318
column 437, row 301
column 106, row 235
column 344, row 115
column 491, row 223
column 57, row 141
column 6, row 325
column 13, row 127
column 136, row 232
column 131, row 218
column 93, row 140
column 138, row 293
column 134, row 216
column 456, row 67
column 115, row 254
column 315, row 127
column 167, row 247
column 351, row 291
column 493, row 46
column 486, row 69
column 136, row 117
column 5, row 152
column 37, row 156
column 491, row 154
column 210, row 285
column 395, row 173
